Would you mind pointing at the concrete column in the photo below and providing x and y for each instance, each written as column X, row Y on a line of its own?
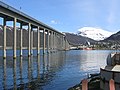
column 53, row 40
column 4, row 38
column 14, row 38
column 48, row 41
column 62, row 42
column 21, row 40
column 38, row 41
column 43, row 41
column 29, row 30
column 65, row 43
column 31, row 41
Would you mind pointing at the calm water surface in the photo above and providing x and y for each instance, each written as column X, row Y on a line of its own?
column 56, row 71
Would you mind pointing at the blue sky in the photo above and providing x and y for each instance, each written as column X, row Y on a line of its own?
column 70, row 15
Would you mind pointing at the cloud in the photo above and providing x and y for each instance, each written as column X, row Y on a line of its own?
column 54, row 22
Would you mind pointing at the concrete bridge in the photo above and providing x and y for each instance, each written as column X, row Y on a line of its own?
column 52, row 39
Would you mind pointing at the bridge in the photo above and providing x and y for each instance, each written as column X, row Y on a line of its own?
column 52, row 39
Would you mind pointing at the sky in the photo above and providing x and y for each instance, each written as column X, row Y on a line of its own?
column 71, row 15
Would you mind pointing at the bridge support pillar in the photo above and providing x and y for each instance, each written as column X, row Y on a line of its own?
column 53, row 41
column 38, row 41
column 31, row 41
column 48, row 41
column 29, row 30
column 21, row 40
column 4, row 38
column 14, row 38
column 43, row 41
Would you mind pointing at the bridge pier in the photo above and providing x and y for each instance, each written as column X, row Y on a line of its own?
column 38, row 41
column 48, row 41
column 44, row 41
column 14, row 38
column 52, row 45
column 21, row 40
column 29, row 30
column 31, row 41
column 4, row 38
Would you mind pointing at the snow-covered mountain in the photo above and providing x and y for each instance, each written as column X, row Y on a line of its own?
column 94, row 33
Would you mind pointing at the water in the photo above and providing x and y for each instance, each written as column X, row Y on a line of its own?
column 56, row 71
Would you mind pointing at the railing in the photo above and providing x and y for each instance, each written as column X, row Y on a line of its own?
column 85, row 84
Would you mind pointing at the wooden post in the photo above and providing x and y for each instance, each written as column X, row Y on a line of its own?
column 112, row 84
column 84, row 84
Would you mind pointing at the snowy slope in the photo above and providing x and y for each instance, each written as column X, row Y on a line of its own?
column 94, row 33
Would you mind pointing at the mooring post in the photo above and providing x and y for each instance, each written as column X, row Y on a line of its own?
column 29, row 31
column 14, row 38
column 112, row 84
column 4, row 38
column 21, row 34
column 38, row 41
column 84, row 84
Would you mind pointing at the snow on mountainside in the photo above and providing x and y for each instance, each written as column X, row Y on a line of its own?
column 94, row 33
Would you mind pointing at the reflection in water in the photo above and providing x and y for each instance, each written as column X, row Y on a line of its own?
column 21, row 72
column 4, row 74
column 38, row 67
column 14, row 74
column 29, row 71
column 50, row 71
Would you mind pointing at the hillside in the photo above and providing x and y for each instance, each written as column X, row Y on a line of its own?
column 75, row 39
column 113, row 38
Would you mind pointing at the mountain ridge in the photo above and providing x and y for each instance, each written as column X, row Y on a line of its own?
column 94, row 33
